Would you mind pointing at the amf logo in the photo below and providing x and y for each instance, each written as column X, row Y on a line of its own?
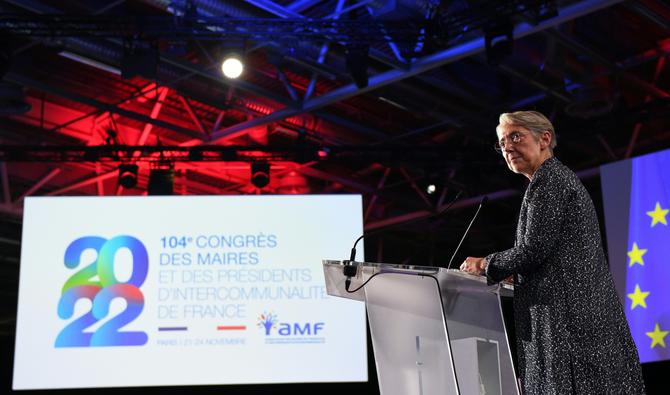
column 290, row 332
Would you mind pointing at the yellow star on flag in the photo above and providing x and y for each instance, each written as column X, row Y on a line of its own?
column 658, row 215
column 635, row 255
column 657, row 336
column 637, row 297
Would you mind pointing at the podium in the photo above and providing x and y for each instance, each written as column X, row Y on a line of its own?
column 434, row 331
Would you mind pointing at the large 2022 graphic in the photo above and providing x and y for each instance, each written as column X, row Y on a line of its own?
column 83, row 285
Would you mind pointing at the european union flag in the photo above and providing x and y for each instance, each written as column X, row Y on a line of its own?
column 647, row 304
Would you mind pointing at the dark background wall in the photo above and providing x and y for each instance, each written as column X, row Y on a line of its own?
column 655, row 374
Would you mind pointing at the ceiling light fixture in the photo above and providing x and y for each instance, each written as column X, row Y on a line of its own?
column 260, row 174
column 232, row 66
column 128, row 175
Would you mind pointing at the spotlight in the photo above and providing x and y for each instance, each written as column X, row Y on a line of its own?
column 195, row 154
column 544, row 11
column 260, row 174
column 592, row 100
column 357, row 63
column 6, row 50
column 232, row 66
column 434, row 182
column 323, row 152
column 12, row 100
column 161, row 181
column 499, row 41
column 139, row 59
column 128, row 175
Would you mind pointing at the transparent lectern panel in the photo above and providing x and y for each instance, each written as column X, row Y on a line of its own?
column 434, row 331
column 477, row 335
column 335, row 279
column 408, row 334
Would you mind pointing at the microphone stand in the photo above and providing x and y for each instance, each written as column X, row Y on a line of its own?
column 483, row 201
column 350, row 270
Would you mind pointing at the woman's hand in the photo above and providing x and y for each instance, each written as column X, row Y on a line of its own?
column 474, row 265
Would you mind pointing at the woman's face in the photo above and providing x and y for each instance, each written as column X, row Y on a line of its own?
column 523, row 150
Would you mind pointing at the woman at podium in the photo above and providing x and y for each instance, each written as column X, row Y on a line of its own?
column 572, row 335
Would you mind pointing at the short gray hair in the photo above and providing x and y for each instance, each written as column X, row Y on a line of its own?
column 531, row 120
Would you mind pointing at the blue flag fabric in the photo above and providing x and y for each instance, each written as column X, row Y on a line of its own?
column 647, row 301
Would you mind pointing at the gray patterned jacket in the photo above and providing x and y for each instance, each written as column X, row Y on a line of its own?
column 572, row 335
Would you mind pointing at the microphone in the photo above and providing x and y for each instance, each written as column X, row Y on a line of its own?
column 481, row 203
column 350, row 270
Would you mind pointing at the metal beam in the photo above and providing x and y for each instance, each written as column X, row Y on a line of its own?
column 662, row 49
column 301, row 5
column 83, row 45
column 83, row 183
column 4, row 177
column 416, row 188
column 100, row 185
column 606, row 146
column 322, row 55
column 360, row 4
column 287, row 84
column 114, row 173
column 279, row 11
column 39, row 184
column 374, row 53
column 422, row 65
column 531, row 81
column 26, row 81
column 246, row 86
column 581, row 48
column 218, row 78
column 154, row 114
column 473, row 201
column 355, row 185
column 192, row 114
column 312, row 82
column 12, row 210
column 374, row 198
column 392, row 45
column 649, row 14
column 456, row 53
column 638, row 126
column 274, row 8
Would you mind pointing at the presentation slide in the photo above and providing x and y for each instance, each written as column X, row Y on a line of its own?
column 636, row 196
column 177, row 290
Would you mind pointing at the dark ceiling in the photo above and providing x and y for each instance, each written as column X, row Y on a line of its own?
column 370, row 97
